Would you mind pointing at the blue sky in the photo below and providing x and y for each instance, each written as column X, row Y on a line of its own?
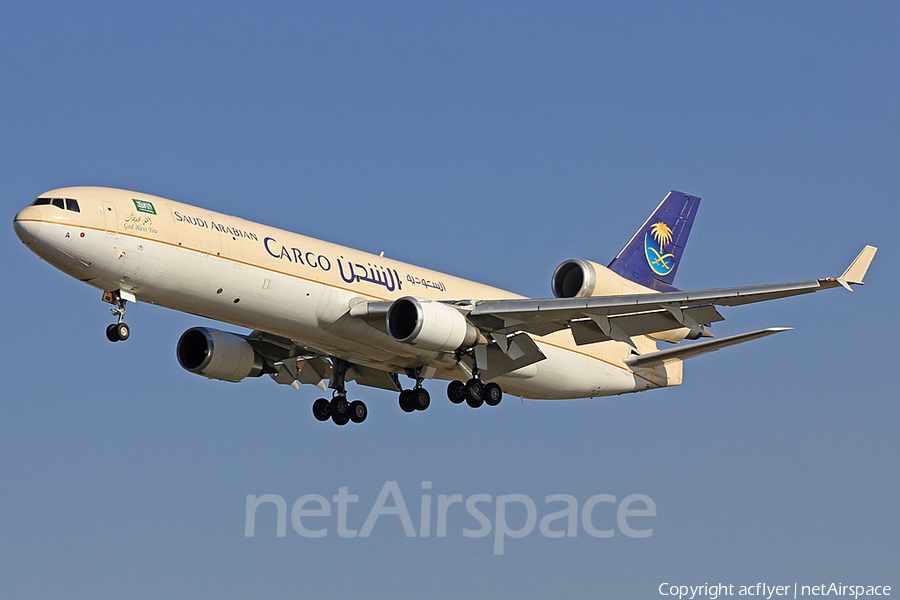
column 490, row 141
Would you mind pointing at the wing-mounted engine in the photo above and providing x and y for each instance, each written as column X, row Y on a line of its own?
column 219, row 355
column 430, row 325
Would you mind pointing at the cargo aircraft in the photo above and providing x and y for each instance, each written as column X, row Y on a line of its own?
column 322, row 312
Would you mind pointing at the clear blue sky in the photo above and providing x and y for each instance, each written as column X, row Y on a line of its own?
column 491, row 141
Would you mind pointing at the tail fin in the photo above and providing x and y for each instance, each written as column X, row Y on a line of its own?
column 652, row 255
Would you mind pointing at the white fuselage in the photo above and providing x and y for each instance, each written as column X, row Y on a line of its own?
column 205, row 263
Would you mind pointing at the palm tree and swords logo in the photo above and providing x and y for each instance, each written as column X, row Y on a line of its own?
column 655, row 242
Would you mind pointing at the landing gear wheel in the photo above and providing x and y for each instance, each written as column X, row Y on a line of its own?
column 122, row 331
column 492, row 394
column 406, row 402
column 340, row 419
column 474, row 402
column 340, row 407
column 420, row 399
column 456, row 391
column 111, row 333
column 322, row 409
column 358, row 411
column 474, row 393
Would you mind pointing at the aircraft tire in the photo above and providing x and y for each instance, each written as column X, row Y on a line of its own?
column 456, row 391
column 406, row 401
column 492, row 394
column 475, row 390
column 340, row 419
column 321, row 409
column 420, row 399
column 340, row 406
column 123, row 331
column 474, row 402
column 358, row 411
column 111, row 333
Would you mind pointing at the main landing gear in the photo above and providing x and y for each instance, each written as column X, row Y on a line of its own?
column 118, row 331
column 474, row 393
column 415, row 399
column 339, row 409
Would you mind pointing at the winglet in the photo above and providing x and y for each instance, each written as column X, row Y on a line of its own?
column 857, row 269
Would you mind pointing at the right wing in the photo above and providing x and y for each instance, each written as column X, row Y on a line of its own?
column 621, row 317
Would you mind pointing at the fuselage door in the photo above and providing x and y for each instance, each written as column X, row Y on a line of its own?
column 110, row 221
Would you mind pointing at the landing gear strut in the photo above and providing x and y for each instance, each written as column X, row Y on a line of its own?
column 339, row 410
column 118, row 331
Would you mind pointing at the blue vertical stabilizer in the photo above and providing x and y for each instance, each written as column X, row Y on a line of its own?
column 652, row 255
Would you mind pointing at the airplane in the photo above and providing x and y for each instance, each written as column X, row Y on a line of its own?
column 323, row 312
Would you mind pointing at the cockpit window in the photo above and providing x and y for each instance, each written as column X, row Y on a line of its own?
column 69, row 204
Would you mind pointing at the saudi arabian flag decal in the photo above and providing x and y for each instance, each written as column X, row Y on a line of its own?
column 144, row 206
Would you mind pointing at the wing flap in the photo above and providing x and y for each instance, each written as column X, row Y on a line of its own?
column 372, row 378
column 521, row 352
column 587, row 331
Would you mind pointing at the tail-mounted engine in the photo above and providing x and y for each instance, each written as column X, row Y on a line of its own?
column 575, row 279
column 585, row 279
column 430, row 325
column 218, row 355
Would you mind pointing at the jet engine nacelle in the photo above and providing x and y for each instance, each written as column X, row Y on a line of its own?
column 430, row 325
column 584, row 279
column 575, row 279
column 218, row 355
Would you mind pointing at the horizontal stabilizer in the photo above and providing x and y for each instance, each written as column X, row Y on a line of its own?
column 857, row 269
column 692, row 350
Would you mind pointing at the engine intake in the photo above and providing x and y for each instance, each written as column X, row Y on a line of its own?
column 218, row 355
column 430, row 325
column 574, row 279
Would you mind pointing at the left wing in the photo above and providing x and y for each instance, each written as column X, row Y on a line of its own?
column 294, row 363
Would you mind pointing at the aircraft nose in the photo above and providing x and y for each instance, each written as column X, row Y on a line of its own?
column 26, row 227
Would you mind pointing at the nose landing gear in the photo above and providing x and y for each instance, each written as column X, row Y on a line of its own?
column 118, row 331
